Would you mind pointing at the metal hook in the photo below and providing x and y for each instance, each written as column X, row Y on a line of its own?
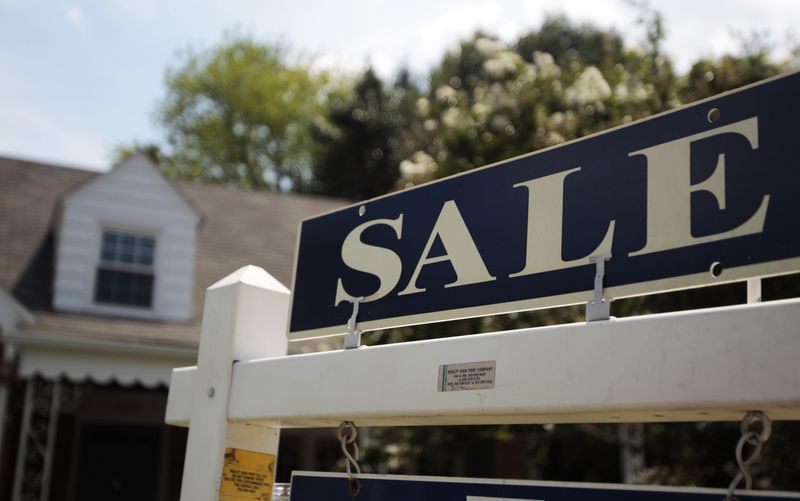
column 599, row 308
column 353, row 337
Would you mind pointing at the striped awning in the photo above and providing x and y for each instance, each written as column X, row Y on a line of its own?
column 81, row 359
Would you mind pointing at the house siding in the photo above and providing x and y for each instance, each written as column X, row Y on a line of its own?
column 133, row 197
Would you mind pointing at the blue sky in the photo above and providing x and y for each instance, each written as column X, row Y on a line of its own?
column 80, row 77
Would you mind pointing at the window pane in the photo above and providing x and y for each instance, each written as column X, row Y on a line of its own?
column 127, row 248
column 148, row 242
column 144, row 250
column 125, row 288
column 126, row 239
column 108, row 253
column 102, row 291
column 141, row 290
column 109, row 247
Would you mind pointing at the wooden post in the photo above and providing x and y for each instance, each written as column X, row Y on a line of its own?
column 244, row 318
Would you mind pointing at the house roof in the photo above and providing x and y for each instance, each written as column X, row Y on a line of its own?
column 240, row 227
column 29, row 196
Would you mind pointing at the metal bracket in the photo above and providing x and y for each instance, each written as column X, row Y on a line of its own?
column 353, row 337
column 753, row 290
column 599, row 308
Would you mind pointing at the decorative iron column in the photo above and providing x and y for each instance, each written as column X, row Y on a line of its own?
column 37, row 440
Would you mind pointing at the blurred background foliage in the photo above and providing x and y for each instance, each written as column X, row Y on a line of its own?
column 250, row 114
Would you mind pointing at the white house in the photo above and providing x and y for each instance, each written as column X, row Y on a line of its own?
column 102, row 277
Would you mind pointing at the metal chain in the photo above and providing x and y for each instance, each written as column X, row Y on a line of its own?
column 347, row 434
column 755, row 439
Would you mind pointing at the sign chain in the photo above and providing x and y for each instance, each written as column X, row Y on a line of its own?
column 347, row 433
column 755, row 439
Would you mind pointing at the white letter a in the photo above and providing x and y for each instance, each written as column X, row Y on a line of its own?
column 460, row 251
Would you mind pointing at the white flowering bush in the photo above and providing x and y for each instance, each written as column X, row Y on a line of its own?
column 589, row 88
column 417, row 169
column 489, row 99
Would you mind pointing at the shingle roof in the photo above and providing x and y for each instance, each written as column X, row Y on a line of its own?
column 29, row 195
column 243, row 227
column 239, row 227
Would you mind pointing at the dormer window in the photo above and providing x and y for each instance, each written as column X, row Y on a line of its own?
column 125, row 270
column 126, row 246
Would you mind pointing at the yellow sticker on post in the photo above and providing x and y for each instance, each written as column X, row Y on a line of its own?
column 247, row 476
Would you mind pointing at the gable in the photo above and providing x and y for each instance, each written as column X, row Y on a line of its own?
column 136, row 203
column 135, row 182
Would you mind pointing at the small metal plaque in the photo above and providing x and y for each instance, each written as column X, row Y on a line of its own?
column 469, row 376
column 247, row 476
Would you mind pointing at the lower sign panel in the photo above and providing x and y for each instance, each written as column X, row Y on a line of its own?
column 308, row 486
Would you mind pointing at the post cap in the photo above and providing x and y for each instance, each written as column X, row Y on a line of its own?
column 251, row 275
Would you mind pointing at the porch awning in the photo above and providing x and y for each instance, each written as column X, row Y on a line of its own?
column 102, row 361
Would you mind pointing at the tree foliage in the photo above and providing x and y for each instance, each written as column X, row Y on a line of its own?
column 490, row 100
column 150, row 150
column 361, row 141
column 240, row 113
column 486, row 101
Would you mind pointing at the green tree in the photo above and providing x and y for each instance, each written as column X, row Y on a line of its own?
column 150, row 150
column 568, row 42
column 355, row 155
column 240, row 113
column 709, row 77
column 364, row 137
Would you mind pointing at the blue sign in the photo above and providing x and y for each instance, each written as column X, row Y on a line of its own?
column 334, row 487
column 704, row 194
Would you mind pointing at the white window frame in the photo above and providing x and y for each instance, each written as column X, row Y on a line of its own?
column 117, row 266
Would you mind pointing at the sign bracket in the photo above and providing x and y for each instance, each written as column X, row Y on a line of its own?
column 353, row 337
column 599, row 308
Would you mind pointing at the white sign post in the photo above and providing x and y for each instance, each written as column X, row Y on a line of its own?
column 703, row 365
column 244, row 318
